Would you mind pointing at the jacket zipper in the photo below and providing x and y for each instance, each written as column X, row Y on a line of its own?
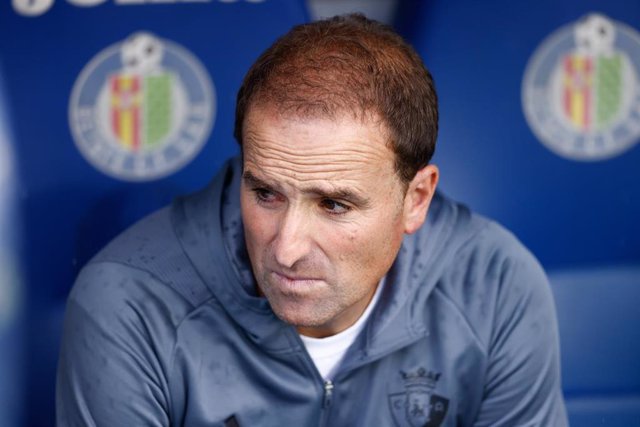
column 328, row 392
column 326, row 402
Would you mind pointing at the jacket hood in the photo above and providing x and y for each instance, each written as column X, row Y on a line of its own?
column 209, row 226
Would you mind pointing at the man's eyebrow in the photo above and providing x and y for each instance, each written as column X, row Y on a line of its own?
column 253, row 181
column 338, row 194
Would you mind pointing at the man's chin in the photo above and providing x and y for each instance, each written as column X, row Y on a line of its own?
column 301, row 317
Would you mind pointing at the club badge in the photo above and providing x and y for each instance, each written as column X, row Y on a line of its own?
column 581, row 89
column 141, row 109
column 418, row 405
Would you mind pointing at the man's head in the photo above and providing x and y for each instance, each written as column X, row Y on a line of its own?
column 328, row 190
column 349, row 66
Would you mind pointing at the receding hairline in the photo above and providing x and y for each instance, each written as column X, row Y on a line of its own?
column 336, row 115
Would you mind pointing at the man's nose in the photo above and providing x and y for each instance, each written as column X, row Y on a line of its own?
column 293, row 241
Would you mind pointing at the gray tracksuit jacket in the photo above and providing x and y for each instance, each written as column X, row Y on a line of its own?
column 163, row 328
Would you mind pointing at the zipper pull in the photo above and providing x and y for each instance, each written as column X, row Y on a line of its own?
column 328, row 391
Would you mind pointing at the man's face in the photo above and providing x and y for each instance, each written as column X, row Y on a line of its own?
column 323, row 213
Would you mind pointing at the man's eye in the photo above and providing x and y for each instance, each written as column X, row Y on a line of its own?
column 335, row 208
column 265, row 196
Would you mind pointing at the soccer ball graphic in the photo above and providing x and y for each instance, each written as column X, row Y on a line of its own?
column 141, row 53
column 594, row 35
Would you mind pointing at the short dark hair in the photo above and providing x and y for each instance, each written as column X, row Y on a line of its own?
column 349, row 64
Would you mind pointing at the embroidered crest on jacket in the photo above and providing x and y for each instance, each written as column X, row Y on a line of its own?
column 418, row 405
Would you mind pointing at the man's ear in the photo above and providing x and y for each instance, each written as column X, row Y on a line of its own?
column 418, row 197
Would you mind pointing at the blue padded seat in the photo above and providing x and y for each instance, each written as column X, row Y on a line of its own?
column 599, row 321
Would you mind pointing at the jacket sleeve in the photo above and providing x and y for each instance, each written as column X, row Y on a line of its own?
column 111, row 371
column 522, row 386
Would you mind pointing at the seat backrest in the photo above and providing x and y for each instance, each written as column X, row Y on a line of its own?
column 599, row 324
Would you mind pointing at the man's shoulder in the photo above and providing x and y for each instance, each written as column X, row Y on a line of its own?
column 487, row 271
column 146, row 260
column 463, row 232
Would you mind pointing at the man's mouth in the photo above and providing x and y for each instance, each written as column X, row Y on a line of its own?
column 294, row 282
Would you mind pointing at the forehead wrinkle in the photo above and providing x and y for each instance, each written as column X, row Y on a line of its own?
column 373, row 147
column 329, row 177
column 305, row 183
column 344, row 159
column 325, row 154
column 331, row 173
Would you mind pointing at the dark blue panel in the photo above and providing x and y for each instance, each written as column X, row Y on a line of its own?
column 599, row 324
column 609, row 411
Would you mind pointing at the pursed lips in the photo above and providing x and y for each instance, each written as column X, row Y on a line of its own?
column 294, row 282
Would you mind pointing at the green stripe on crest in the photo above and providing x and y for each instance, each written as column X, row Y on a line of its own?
column 157, row 102
column 608, row 89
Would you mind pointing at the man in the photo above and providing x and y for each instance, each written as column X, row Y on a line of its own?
column 307, row 285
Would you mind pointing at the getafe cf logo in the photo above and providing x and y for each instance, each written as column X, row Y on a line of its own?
column 141, row 109
column 418, row 406
column 581, row 89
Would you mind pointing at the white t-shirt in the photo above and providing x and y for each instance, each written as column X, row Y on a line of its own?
column 327, row 352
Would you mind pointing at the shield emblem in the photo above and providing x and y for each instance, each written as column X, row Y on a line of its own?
column 591, row 90
column 418, row 406
column 141, row 109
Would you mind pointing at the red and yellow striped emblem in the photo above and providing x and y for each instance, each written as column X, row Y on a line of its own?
column 578, row 85
column 126, row 99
